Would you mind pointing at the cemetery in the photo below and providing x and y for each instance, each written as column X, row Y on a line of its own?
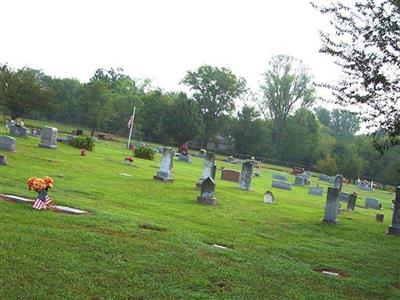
column 96, row 227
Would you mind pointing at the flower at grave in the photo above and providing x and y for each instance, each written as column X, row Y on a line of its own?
column 41, row 186
column 48, row 181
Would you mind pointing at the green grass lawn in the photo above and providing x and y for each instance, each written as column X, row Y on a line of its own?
column 274, row 248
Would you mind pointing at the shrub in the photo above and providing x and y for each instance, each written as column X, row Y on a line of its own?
column 83, row 142
column 145, row 153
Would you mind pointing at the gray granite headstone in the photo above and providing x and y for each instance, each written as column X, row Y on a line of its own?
column 338, row 182
column 394, row 228
column 3, row 160
column 245, row 176
column 23, row 132
column 324, row 177
column 365, row 188
column 14, row 130
column 316, row 191
column 7, row 143
column 279, row 177
column 207, row 192
column 282, row 185
column 208, row 169
column 372, row 203
column 164, row 173
column 48, row 138
column 300, row 180
column 185, row 158
column 70, row 138
column 351, row 203
column 331, row 206
column 344, row 197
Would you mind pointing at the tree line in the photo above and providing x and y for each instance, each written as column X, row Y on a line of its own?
column 280, row 122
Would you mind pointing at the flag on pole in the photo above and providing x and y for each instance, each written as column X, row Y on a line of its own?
column 130, row 122
column 42, row 200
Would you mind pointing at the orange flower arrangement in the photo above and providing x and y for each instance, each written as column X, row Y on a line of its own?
column 38, row 184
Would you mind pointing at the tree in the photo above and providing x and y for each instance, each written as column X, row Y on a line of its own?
column 182, row 120
column 344, row 123
column 287, row 85
column 214, row 89
column 25, row 90
column 323, row 115
column 365, row 41
column 327, row 165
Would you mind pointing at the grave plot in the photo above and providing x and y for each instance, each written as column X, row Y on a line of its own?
column 55, row 208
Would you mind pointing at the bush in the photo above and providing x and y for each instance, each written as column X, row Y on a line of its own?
column 145, row 153
column 83, row 142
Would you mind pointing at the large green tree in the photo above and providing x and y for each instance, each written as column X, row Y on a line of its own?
column 286, row 86
column 25, row 90
column 215, row 90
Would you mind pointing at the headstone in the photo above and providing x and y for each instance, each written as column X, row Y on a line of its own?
column 3, row 160
column 245, row 176
column 159, row 149
column 207, row 192
column 332, row 206
column 279, row 177
column 338, row 182
column 332, row 180
column 23, row 132
column 379, row 217
column 14, row 130
column 208, row 169
column 351, row 203
column 70, row 138
column 164, row 173
column 185, row 157
column 324, row 177
column 316, row 191
column 230, row 175
column 372, row 203
column 7, row 143
column 344, row 197
column 300, row 180
column 365, row 188
column 48, row 138
column 394, row 228
column 269, row 197
column 282, row 185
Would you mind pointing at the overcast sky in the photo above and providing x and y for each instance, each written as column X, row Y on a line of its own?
column 160, row 39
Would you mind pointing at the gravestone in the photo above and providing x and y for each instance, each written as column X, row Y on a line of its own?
column 279, row 177
column 338, row 182
column 48, row 138
column 394, row 228
column 230, row 175
column 316, row 191
column 14, row 130
column 282, row 185
column 379, row 217
column 332, row 180
column 185, row 157
column 351, row 203
column 7, row 143
column 208, row 169
column 331, row 206
column 372, row 203
column 207, row 192
column 3, row 160
column 300, row 180
column 245, row 176
column 164, row 173
column 70, row 138
column 23, row 132
column 344, row 197
column 324, row 177
column 269, row 197
column 365, row 188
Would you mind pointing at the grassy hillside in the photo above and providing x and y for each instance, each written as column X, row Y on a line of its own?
column 274, row 249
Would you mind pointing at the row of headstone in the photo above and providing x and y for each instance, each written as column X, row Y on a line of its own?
column 324, row 177
column 19, row 131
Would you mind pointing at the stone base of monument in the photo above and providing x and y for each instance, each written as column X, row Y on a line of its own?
column 394, row 230
column 330, row 222
column 206, row 200
column 163, row 178
column 48, row 146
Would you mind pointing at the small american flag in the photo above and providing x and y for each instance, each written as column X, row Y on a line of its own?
column 130, row 122
column 42, row 200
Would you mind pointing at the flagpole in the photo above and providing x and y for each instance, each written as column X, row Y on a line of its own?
column 130, row 131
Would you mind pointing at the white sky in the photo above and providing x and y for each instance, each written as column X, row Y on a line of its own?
column 160, row 39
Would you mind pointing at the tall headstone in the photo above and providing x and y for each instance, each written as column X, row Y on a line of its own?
column 7, row 143
column 207, row 192
column 351, row 203
column 48, row 138
column 394, row 229
column 338, row 183
column 164, row 173
column 208, row 169
column 332, row 206
column 245, row 176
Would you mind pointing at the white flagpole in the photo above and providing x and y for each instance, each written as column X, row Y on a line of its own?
column 130, row 132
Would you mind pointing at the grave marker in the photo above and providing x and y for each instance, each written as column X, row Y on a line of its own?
column 7, row 143
column 316, row 191
column 230, row 175
column 245, row 176
column 351, row 203
column 48, row 138
column 338, row 182
column 207, row 192
column 164, row 173
column 3, row 160
column 332, row 206
column 372, row 203
column 394, row 228
column 208, row 169
column 282, row 185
